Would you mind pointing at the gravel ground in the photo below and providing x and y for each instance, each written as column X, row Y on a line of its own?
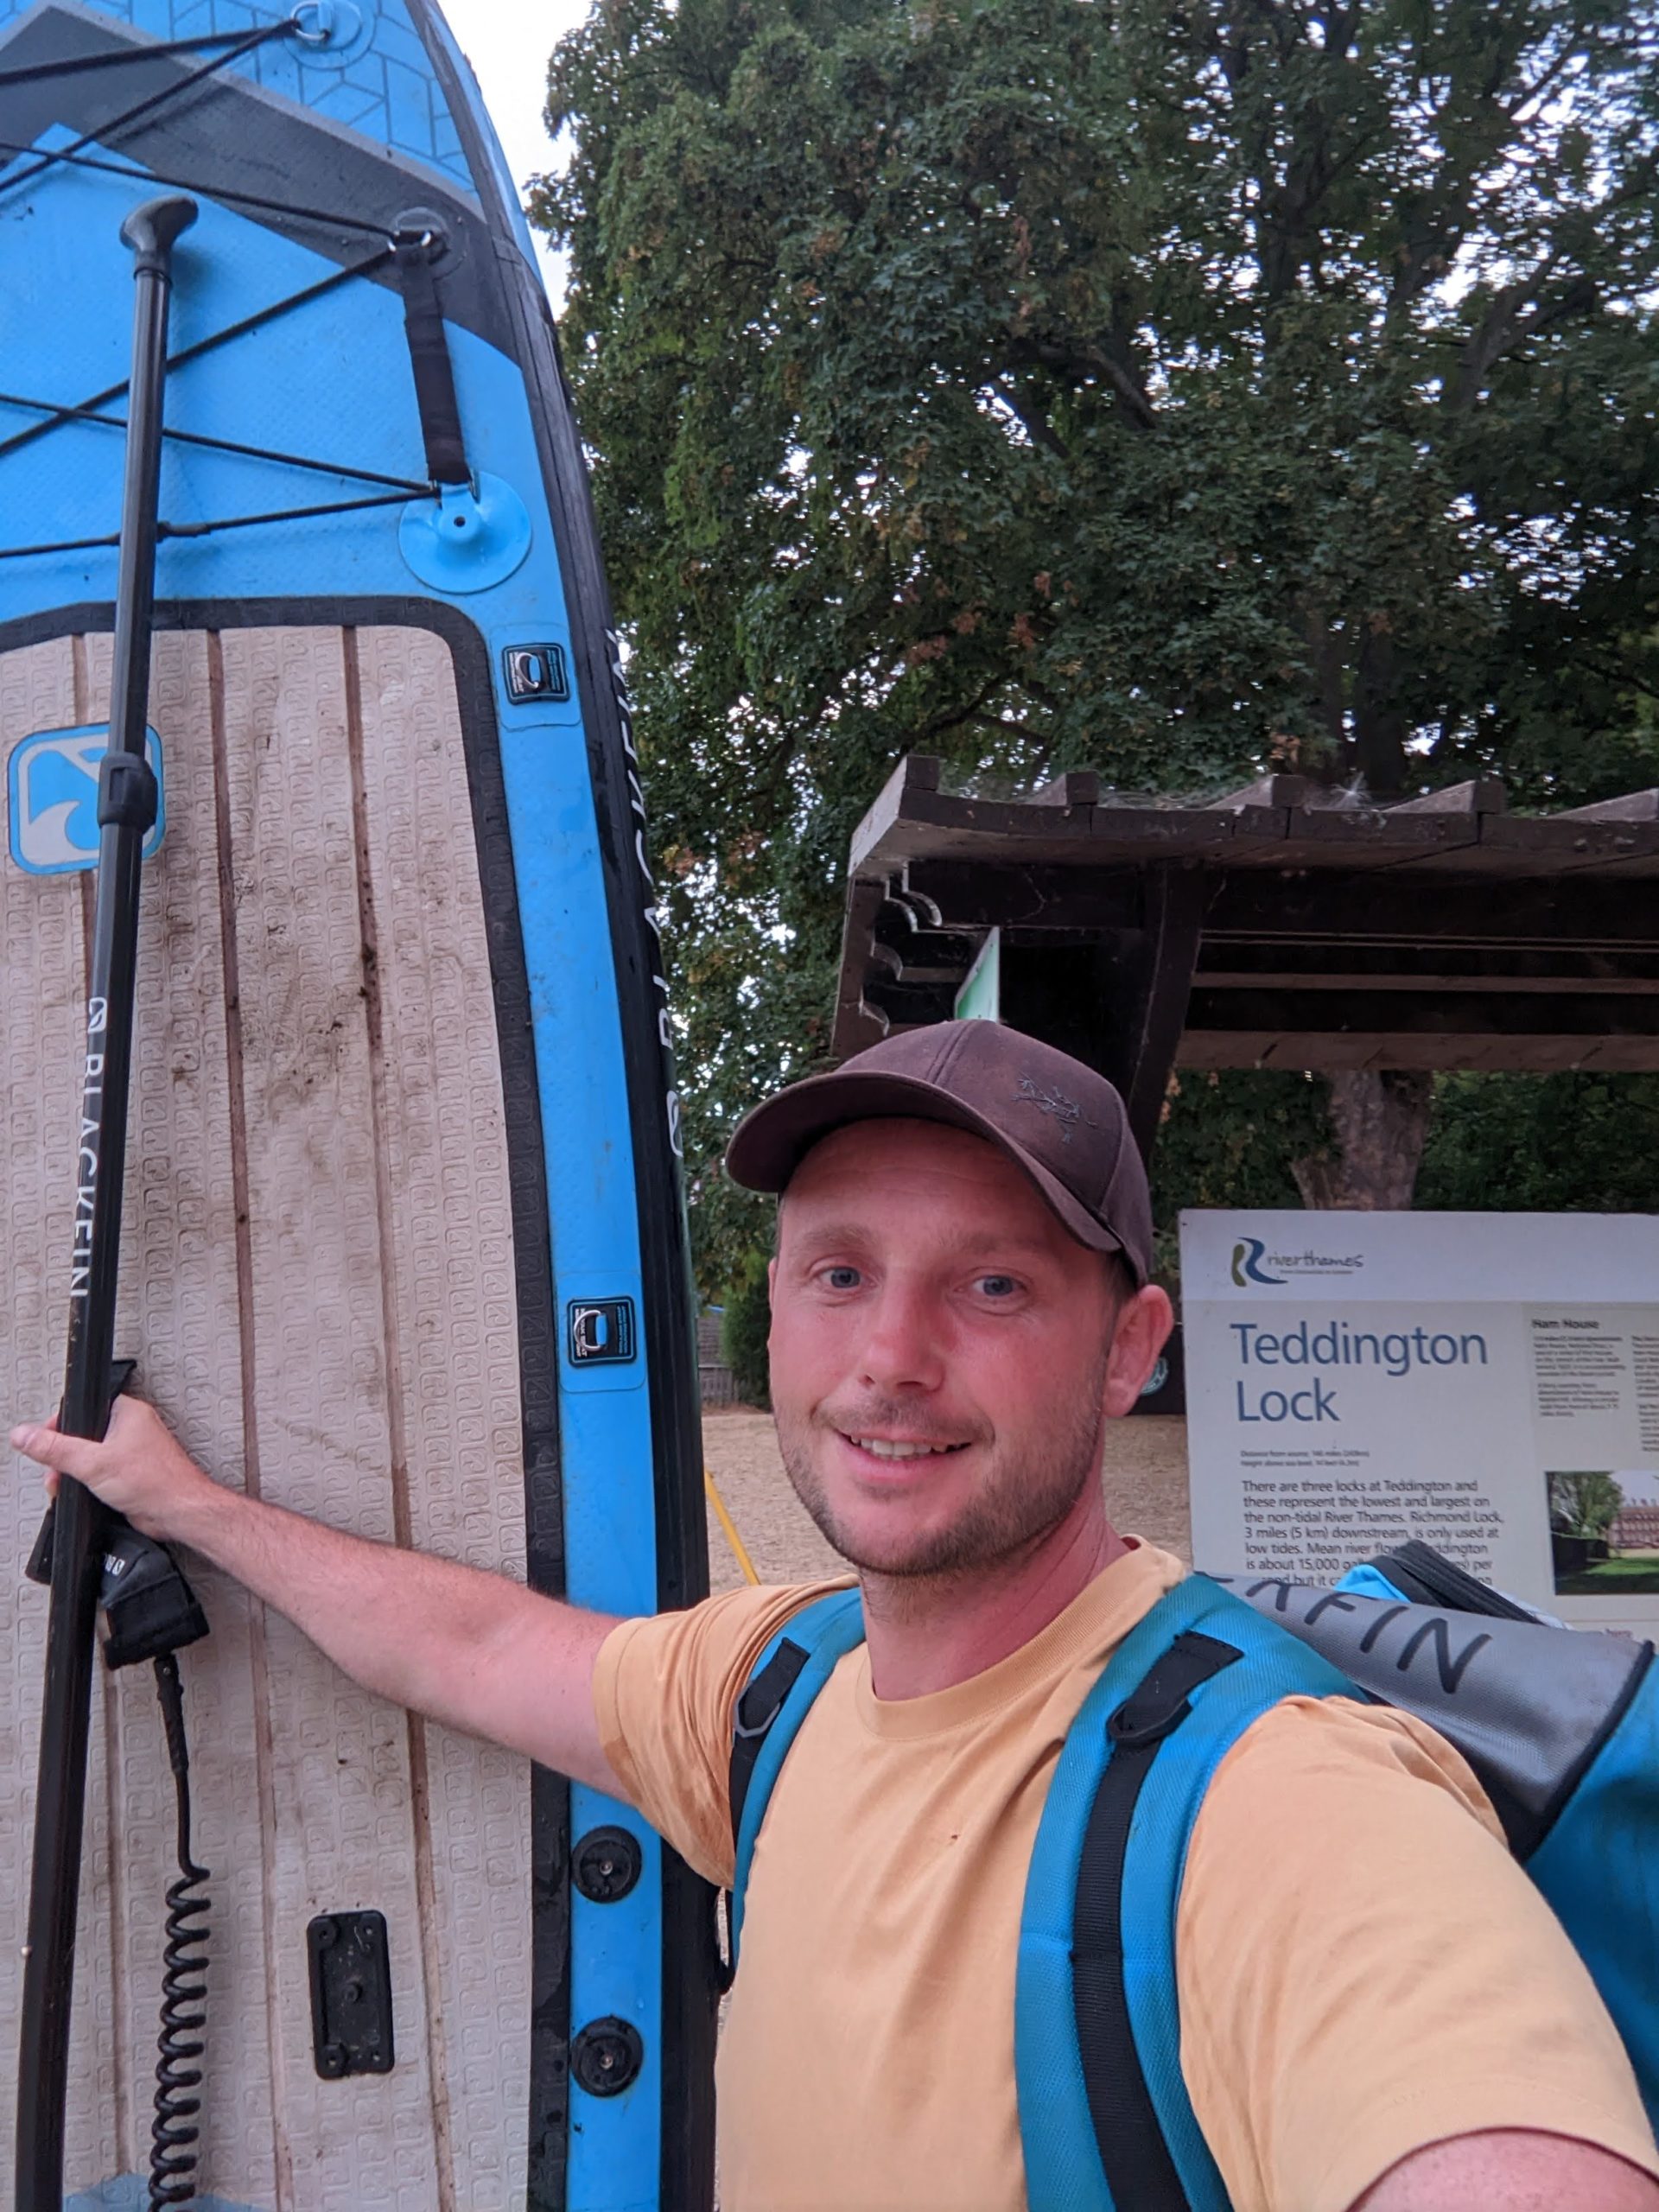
column 1145, row 1481
column 740, row 1451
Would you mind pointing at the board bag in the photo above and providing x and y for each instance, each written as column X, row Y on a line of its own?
column 1562, row 1725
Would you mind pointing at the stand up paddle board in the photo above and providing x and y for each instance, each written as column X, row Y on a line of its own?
column 403, row 1243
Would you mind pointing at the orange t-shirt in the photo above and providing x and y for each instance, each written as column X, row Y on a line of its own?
column 1361, row 1968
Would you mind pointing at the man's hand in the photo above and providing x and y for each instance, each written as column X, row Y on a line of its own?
column 139, row 1468
column 475, row 1650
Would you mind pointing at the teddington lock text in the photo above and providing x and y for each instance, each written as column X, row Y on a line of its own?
column 1313, row 1403
column 1396, row 1352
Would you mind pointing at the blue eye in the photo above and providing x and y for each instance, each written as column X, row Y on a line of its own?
column 998, row 1286
column 841, row 1278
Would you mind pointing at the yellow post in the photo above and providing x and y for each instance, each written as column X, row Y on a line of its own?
column 738, row 1552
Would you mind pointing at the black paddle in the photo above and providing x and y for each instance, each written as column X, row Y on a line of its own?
column 126, row 810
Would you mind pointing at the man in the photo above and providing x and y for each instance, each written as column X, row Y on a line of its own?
column 1377, row 2009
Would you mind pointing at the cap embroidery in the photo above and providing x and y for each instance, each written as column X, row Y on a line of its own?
column 1066, row 1111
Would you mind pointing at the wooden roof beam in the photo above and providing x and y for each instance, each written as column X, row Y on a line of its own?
column 1493, row 1012
column 1635, row 806
column 1481, row 795
column 1332, row 1052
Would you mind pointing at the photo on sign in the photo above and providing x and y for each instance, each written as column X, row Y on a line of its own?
column 1604, row 1530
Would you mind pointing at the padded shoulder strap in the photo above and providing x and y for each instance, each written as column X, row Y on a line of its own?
column 790, row 1673
column 1104, row 2116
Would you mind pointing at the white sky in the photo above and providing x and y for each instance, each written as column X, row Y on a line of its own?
column 508, row 42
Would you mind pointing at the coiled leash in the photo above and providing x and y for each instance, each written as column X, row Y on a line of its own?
column 174, row 2133
column 151, row 1612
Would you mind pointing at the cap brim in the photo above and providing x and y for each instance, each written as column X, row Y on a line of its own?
column 770, row 1141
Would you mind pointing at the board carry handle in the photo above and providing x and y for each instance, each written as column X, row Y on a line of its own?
column 126, row 810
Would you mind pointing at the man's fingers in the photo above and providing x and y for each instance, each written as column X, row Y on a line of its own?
column 39, row 1441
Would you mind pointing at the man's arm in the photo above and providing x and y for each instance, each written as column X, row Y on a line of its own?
column 1378, row 2010
column 1512, row 2170
column 475, row 1650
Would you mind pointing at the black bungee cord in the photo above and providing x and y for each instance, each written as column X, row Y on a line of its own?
column 406, row 488
column 116, row 57
column 241, row 328
column 235, row 44
column 300, row 214
column 171, row 436
column 174, row 529
column 54, row 417
column 245, row 43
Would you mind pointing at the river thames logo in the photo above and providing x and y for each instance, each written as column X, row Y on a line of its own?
column 52, row 790
column 1250, row 1252
column 1246, row 1264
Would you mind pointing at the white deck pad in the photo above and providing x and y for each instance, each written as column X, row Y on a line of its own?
column 318, row 1285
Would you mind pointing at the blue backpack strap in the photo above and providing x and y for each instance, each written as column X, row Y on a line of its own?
column 788, row 1676
column 1104, row 2117
column 1598, row 1867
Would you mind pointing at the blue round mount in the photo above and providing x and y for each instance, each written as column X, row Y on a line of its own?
column 466, row 540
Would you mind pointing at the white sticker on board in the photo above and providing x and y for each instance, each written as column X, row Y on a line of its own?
column 52, row 795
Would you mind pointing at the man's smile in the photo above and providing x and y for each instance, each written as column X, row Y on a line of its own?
column 893, row 1447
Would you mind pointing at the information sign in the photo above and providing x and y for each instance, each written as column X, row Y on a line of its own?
column 1488, row 1382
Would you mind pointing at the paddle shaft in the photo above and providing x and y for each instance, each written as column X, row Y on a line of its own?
column 126, row 809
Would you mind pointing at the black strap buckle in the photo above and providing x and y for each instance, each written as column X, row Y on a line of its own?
column 1162, row 1700
column 763, row 1700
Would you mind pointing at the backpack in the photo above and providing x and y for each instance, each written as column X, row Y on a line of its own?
column 1561, row 1726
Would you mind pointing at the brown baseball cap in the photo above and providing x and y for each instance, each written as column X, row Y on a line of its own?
column 1065, row 1125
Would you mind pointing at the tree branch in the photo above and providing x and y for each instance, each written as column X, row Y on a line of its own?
column 1038, row 429
column 937, row 726
column 1618, row 677
column 1504, row 327
column 1077, row 361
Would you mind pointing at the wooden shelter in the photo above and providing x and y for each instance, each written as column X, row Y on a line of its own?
column 1283, row 925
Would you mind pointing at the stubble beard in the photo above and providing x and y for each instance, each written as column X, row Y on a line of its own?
column 1018, row 1505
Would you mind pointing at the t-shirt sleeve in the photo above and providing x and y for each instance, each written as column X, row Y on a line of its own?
column 1363, row 1970
column 665, row 1688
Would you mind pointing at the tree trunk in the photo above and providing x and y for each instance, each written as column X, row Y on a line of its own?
column 1325, row 655
column 1381, row 1121
column 1380, row 726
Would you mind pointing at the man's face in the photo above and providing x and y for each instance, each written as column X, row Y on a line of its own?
column 942, row 1350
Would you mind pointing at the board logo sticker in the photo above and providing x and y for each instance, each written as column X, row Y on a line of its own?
column 51, row 798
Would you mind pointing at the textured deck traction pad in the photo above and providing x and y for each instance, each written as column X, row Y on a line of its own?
column 319, row 1287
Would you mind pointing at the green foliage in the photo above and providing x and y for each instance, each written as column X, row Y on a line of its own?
column 1228, row 1139
column 1585, row 1505
column 1167, row 386
column 1543, row 1144
column 744, row 1328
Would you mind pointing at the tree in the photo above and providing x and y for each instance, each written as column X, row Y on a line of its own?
column 1561, row 1143
column 1232, row 1138
column 1585, row 1505
column 1160, row 385
column 744, row 1327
